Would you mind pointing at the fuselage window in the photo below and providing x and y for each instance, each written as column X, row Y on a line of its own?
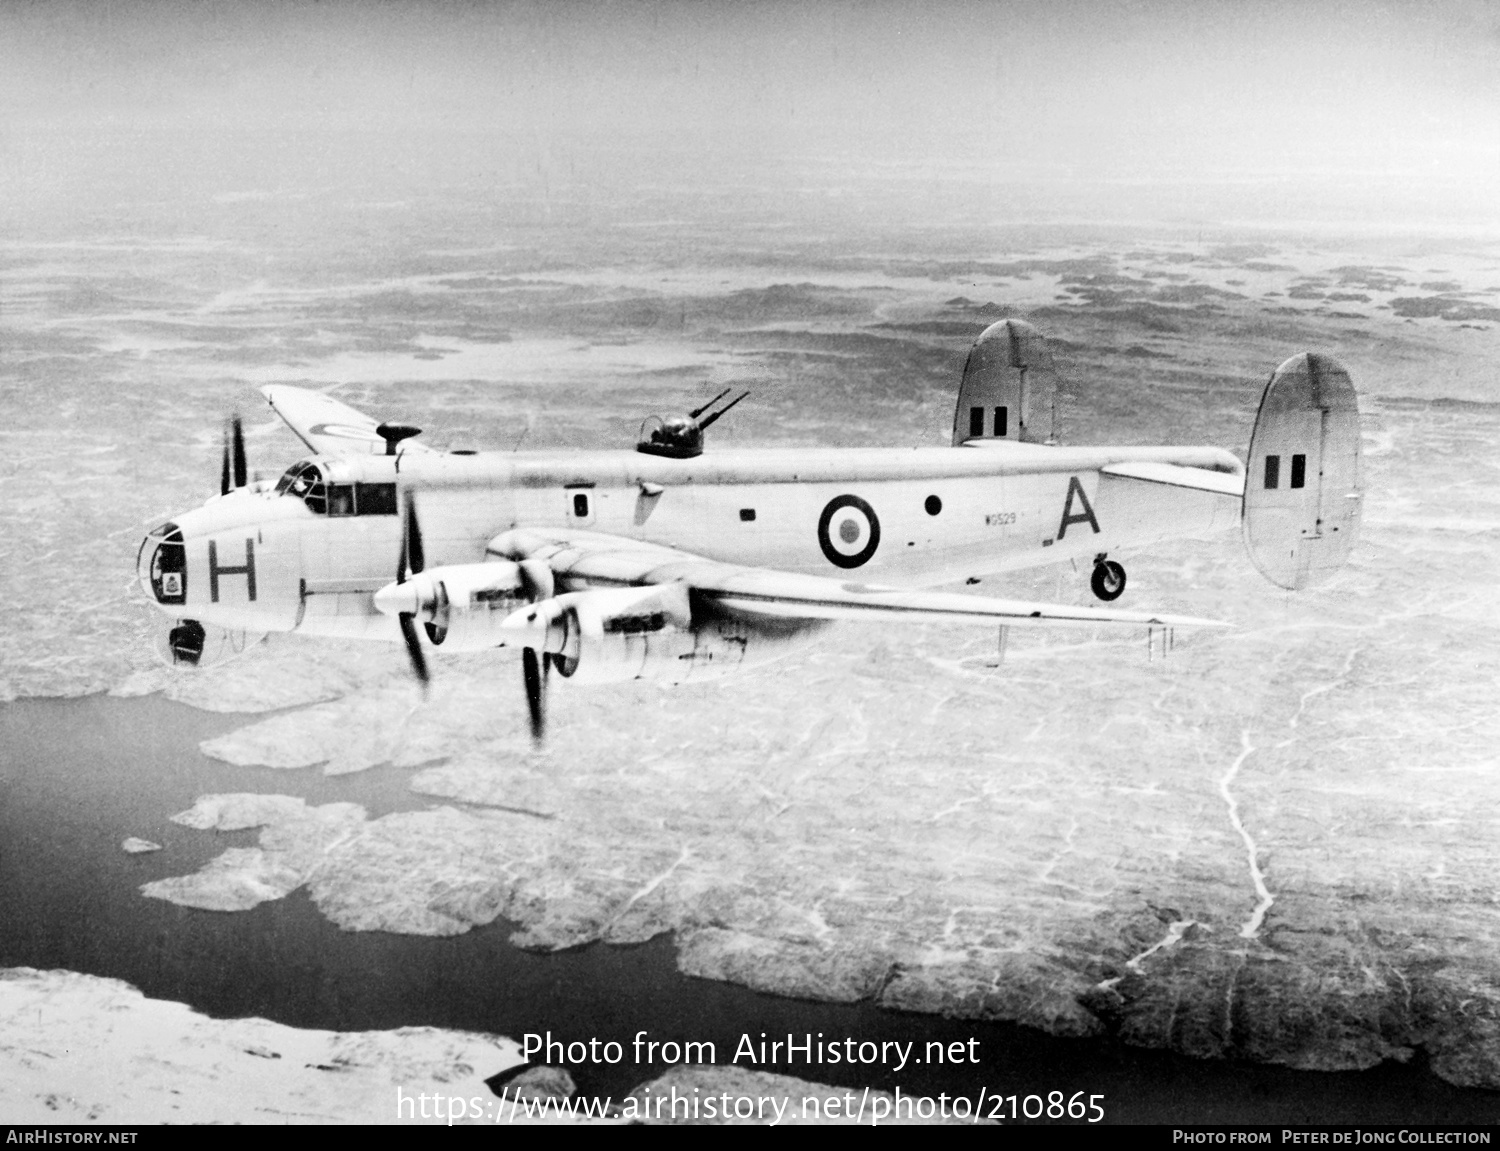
column 933, row 505
column 1002, row 421
column 1299, row 470
column 375, row 499
column 1273, row 471
column 581, row 505
column 747, row 515
column 362, row 499
column 976, row 422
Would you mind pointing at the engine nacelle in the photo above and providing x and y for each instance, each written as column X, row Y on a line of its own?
column 611, row 634
column 463, row 605
column 602, row 635
column 631, row 633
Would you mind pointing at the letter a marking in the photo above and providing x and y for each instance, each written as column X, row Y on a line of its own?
column 1069, row 516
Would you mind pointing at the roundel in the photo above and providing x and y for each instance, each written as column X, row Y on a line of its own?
column 344, row 432
column 848, row 531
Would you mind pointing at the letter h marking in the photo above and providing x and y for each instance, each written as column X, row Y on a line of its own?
column 215, row 571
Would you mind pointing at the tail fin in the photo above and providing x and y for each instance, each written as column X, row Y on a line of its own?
column 1009, row 390
column 1302, row 496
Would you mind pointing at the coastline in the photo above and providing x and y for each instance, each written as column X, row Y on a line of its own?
column 285, row 962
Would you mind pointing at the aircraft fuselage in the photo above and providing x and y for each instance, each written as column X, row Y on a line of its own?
column 308, row 555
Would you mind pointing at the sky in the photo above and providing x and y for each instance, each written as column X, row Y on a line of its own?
column 1391, row 103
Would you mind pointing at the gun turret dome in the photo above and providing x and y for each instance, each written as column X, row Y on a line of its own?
column 680, row 436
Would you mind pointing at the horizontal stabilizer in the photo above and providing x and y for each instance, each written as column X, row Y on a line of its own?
column 1200, row 479
column 1302, row 495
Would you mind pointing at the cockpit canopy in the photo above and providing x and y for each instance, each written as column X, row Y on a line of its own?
column 305, row 481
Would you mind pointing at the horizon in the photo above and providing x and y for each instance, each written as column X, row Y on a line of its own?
column 1368, row 115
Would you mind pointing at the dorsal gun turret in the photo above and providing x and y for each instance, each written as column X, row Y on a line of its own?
column 681, row 437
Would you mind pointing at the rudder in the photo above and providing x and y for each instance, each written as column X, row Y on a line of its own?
column 1302, row 502
column 1009, row 389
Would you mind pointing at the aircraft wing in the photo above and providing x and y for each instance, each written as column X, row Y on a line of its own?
column 328, row 427
column 582, row 560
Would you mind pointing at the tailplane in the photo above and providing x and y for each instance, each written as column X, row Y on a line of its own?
column 1302, row 495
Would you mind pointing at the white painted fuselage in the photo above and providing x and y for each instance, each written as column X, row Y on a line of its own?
column 257, row 560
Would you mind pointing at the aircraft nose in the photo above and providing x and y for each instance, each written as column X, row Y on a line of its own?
column 161, row 565
column 143, row 557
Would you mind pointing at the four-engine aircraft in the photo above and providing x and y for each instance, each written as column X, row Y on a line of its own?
column 672, row 563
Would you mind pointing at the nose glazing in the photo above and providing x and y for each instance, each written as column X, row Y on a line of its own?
column 161, row 565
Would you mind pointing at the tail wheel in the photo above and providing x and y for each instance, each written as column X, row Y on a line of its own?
column 1108, row 580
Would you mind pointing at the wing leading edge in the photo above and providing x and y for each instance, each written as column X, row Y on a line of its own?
column 589, row 559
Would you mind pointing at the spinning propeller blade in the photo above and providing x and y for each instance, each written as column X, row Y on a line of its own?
column 414, row 649
column 241, row 471
column 409, row 563
column 412, row 559
column 534, row 671
column 233, row 472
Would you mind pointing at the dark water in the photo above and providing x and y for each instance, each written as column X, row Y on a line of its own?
column 79, row 776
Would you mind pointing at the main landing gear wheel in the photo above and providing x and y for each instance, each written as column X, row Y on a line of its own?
column 1108, row 580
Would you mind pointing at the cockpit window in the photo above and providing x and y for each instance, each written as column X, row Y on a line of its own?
column 305, row 482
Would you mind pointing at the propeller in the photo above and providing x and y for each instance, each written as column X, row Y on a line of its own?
column 536, row 661
column 534, row 672
column 530, row 629
column 410, row 563
column 540, row 632
column 234, row 473
column 237, row 437
column 540, row 585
